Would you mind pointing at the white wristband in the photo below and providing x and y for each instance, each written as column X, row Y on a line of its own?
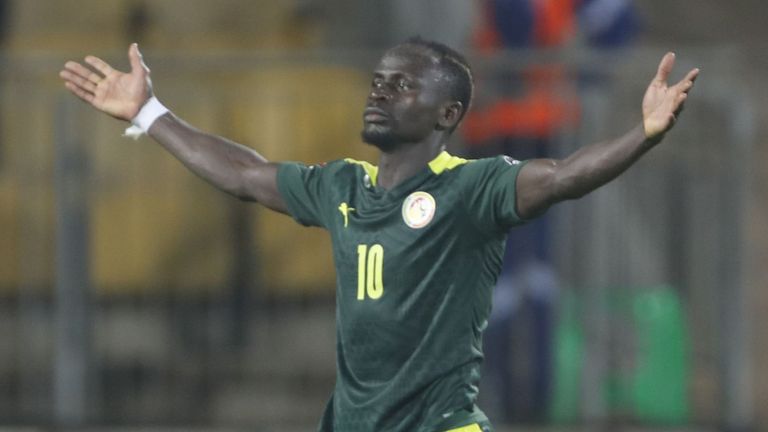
column 150, row 112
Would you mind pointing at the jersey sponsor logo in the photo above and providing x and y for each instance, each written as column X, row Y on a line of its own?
column 345, row 209
column 418, row 209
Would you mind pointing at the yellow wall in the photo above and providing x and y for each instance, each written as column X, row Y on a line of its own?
column 153, row 224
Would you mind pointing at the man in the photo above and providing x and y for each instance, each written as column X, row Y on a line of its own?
column 417, row 241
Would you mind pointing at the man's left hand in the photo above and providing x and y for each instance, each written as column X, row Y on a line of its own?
column 663, row 103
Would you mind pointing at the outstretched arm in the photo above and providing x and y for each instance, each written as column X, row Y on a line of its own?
column 231, row 167
column 544, row 182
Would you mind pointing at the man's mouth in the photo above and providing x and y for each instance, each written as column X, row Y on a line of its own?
column 374, row 115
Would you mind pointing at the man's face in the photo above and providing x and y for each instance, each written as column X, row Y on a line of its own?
column 404, row 103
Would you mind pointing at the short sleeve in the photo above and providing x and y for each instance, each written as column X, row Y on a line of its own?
column 303, row 188
column 490, row 193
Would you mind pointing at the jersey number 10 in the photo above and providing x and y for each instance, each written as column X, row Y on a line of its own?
column 370, row 262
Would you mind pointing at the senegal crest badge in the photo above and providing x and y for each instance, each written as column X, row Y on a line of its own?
column 418, row 209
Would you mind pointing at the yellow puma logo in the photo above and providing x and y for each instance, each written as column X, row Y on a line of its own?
column 345, row 209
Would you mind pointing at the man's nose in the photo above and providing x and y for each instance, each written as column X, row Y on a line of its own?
column 379, row 94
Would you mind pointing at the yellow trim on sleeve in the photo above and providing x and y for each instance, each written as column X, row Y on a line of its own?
column 370, row 169
column 474, row 427
column 444, row 161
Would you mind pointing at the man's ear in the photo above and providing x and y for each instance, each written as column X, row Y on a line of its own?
column 450, row 113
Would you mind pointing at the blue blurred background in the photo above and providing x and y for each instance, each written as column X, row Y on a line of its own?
column 133, row 296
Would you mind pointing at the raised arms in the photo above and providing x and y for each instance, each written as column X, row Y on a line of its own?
column 544, row 182
column 231, row 167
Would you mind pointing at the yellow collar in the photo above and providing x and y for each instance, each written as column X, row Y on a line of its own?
column 443, row 161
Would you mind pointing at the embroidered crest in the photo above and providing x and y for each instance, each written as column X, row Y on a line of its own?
column 418, row 209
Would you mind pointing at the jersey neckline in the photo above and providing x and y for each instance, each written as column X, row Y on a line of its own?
column 444, row 161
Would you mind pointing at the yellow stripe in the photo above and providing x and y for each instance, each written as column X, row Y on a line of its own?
column 444, row 161
column 471, row 428
column 370, row 169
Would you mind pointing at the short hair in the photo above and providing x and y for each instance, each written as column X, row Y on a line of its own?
column 454, row 65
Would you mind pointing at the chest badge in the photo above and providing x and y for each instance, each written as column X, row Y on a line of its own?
column 418, row 209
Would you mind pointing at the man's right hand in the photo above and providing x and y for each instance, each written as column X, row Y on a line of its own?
column 234, row 168
column 116, row 93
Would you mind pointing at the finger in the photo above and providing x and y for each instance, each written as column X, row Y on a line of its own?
column 683, row 86
column 82, row 71
column 136, row 59
column 78, row 80
column 687, row 83
column 679, row 103
column 100, row 65
column 679, row 109
column 665, row 67
column 693, row 74
column 79, row 92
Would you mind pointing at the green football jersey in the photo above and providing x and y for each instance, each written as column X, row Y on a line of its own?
column 415, row 267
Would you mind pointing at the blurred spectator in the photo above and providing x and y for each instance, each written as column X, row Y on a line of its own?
column 607, row 23
column 520, row 113
column 554, row 23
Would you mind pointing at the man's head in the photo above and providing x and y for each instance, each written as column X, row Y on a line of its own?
column 419, row 88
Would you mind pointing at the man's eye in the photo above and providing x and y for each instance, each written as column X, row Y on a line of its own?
column 377, row 83
column 404, row 85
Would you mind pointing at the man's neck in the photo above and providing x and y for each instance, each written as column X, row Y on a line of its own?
column 405, row 161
